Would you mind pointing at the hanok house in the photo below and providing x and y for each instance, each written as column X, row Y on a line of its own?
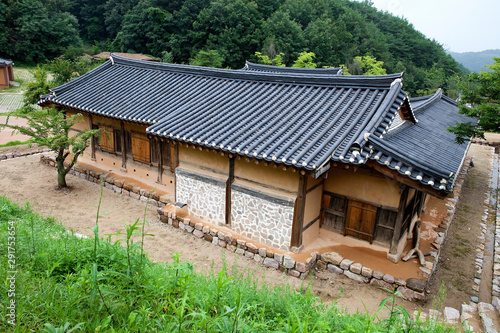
column 6, row 73
column 279, row 155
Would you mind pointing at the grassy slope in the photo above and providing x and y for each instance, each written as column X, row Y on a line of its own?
column 63, row 280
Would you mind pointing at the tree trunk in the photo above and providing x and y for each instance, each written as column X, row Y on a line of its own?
column 61, row 173
column 61, row 179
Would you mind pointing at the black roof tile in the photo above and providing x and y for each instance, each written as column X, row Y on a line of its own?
column 304, row 119
column 5, row 62
column 425, row 151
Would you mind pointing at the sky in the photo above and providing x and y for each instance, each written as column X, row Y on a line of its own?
column 459, row 25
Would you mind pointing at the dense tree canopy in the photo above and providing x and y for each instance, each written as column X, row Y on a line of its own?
column 37, row 31
column 480, row 99
column 336, row 31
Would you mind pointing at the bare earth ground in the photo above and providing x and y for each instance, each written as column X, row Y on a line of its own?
column 26, row 179
column 10, row 102
column 456, row 267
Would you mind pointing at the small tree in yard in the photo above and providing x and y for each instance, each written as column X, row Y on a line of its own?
column 50, row 127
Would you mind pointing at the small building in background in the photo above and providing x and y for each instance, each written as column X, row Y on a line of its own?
column 136, row 56
column 6, row 73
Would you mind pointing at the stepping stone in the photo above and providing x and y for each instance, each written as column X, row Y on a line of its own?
column 487, row 312
column 451, row 315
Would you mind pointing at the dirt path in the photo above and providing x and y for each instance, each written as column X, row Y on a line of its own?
column 456, row 268
column 26, row 179
column 10, row 102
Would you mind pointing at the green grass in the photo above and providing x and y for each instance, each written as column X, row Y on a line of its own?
column 15, row 143
column 65, row 283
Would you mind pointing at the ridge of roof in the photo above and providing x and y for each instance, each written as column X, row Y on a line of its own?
column 382, row 115
column 250, row 66
column 429, row 100
column 80, row 79
column 449, row 100
column 375, row 81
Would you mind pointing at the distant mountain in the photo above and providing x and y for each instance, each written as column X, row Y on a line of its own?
column 475, row 61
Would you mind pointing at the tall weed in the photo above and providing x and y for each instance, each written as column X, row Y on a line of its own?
column 66, row 283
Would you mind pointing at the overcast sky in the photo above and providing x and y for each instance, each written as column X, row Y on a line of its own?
column 459, row 25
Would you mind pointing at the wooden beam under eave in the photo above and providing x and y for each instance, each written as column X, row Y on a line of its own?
column 159, row 144
column 298, row 213
column 174, row 156
column 399, row 220
column 229, row 183
column 123, row 144
column 405, row 180
column 92, row 139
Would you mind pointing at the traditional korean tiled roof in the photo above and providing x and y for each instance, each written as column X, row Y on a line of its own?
column 425, row 151
column 250, row 66
column 137, row 56
column 299, row 120
column 5, row 62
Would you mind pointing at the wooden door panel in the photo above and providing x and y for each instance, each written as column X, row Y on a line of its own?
column 333, row 210
column 361, row 219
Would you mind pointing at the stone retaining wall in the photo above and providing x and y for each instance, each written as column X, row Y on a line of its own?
column 482, row 142
column 482, row 247
column 327, row 263
column 115, row 184
column 15, row 155
column 496, row 257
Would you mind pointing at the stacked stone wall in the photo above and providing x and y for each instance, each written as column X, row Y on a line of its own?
column 119, row 186
column 204, row 195
column 263, row 217
column 330, row 263
column 22, row 154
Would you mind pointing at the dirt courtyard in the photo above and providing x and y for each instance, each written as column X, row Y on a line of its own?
column 25, row 179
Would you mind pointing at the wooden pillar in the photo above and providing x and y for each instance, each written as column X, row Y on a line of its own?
column 159, row 145
column 298, row 212
column 174, row 156
column 92, row 139
column 123, row 144
column 229, row 182
column 399, row 219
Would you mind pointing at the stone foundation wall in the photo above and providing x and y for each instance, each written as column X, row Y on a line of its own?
column 204, row 195
column 119, row 186
column 327, row 265
column 263, row 217
column 22, row 154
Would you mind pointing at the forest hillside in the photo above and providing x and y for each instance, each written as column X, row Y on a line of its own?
column 336, row 31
